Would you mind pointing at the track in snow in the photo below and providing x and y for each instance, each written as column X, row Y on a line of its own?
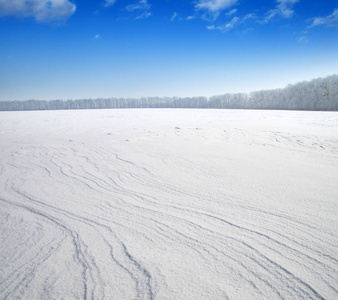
column 168, row 204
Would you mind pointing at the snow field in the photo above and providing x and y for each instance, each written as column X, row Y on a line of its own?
column 168, row 204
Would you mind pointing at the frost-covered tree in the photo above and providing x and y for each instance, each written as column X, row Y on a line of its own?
column 317, row 94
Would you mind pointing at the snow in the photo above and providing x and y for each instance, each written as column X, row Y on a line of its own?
column 168, row 204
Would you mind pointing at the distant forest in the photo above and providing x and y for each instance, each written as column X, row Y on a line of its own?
column 317, row 94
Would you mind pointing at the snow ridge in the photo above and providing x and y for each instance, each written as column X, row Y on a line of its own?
column 168, row 204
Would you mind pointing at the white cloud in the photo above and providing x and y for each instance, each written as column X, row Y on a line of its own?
column 41, row 10
column 302, row 36
column 330, row 20
column 235, row 22
column 141, row 5
column 284, row 9
column 97, row 36
column 141, row 8
column 247, row 30
column 174, row 16
column 225, row 27
column 231, row 12
column 249, row 16
column 144, row 15
column 214, row 7
column 303, row 39
column 109, row 3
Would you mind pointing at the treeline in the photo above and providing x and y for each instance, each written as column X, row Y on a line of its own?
column 317, row 94
column 147, row 102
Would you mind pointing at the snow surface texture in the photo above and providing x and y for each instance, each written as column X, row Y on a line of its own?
column 168, row 204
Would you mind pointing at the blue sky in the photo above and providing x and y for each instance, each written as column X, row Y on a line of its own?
column 70, row 49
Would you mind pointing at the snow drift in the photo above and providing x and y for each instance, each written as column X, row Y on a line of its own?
column 168, row 204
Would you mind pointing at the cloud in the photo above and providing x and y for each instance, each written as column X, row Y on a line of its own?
column 303, row 39
column 41, row 10
column 109, row 3
column 284, row 9
column 249, row 16
column 97, row 36
column 225, row 27
column 144, row 15
column 141, row 5
column 141, row 8
column 174, row 16
column 231, row 12
column 330, row 20
column 235, row 22
column 247, row 30
column 302, row 36
column 214, row 7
